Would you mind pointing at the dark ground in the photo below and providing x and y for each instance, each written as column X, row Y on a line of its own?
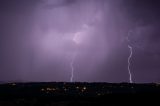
column 73, row 94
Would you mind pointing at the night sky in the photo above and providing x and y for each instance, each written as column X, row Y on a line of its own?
column 44, row 40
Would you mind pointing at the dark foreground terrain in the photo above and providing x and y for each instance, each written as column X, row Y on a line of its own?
column 73, row 94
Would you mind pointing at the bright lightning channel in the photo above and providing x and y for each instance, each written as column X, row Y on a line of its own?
column 129, row 63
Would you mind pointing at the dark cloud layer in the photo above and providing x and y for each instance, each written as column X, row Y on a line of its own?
column 38, row 39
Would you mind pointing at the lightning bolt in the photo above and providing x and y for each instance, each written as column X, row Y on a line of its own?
column 77, row 39
column 129, row 58
column 129, row 63
column 72, row 67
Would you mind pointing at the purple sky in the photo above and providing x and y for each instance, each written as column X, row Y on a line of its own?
column 39, row 38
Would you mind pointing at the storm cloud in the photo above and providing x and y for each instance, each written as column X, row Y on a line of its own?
column 38, row 39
